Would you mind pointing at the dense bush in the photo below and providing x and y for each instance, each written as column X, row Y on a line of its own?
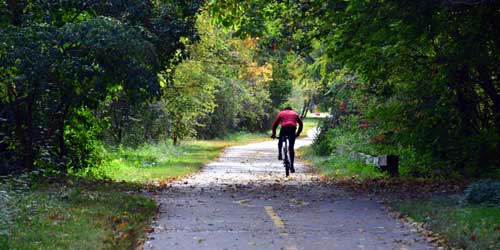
column 485, row 193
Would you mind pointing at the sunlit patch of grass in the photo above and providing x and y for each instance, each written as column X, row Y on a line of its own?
column 154, row 163
column 464, row 227
column 339, row 166
column 242, row 137
column 71, row 213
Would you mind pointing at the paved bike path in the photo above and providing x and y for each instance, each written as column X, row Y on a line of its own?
column 242, row 201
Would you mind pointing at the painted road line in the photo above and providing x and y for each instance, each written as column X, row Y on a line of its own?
column 278, row 222
column 280, row 225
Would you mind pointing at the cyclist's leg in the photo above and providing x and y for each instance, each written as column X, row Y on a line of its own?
column 280, row 144
column 291, row 139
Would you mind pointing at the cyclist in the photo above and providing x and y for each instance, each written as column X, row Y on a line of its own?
column 288, row 120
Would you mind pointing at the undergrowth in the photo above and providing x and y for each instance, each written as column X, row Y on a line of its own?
column 464, row 227
column 340, row 166
column 64, row 212
column 160, row 163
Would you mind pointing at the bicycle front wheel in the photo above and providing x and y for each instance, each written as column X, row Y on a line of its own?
column 287, row 169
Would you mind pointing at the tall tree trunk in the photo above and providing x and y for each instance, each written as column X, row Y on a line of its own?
column 23, row 119
column 16, row 10
column 465, row 103
column 488, row 86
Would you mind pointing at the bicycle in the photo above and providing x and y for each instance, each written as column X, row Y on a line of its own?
column 286, row 157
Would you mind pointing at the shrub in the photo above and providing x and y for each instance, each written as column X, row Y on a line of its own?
column 485, row 193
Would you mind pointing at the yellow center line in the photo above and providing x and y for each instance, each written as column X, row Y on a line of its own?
column 280, row 225
column 278, row 222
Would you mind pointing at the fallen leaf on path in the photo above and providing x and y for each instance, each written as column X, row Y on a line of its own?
column 298, row 202
column 243, row 203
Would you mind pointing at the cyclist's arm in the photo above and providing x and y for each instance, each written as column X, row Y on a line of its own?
column 301, row 125
column 276, row 123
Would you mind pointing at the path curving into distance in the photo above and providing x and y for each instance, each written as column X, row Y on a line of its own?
column 243, row 202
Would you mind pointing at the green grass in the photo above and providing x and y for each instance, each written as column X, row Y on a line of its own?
column 70, row 213
column 339, row 167
column 160, row 163
column 241, row 138
column 467, row 227
column 153, row 163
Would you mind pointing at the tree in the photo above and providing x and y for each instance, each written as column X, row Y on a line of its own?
column 62, row 59
column 228, row 88
column 429, row 67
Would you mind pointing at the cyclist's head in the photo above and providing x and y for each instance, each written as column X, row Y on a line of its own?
column 286, row 106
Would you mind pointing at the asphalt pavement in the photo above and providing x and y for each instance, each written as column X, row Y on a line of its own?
column 244, row 202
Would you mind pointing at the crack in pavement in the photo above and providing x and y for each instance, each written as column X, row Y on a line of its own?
column 243, row 201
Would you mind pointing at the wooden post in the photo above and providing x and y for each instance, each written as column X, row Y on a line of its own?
column 389, row 163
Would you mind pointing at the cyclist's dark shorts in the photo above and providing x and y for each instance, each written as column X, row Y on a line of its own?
column 290, row 132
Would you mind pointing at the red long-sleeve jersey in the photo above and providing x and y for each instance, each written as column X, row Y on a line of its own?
column 287, row 118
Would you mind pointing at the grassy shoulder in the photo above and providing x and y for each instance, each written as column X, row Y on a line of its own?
column 72, row 213
column 161, row 163
column 463, row 227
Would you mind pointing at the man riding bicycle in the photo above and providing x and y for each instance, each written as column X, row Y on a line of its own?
column 288, row 120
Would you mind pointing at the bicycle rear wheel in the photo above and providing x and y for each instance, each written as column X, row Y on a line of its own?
column 286, row 159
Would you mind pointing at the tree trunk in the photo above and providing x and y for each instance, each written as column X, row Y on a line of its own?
column 63, row 152
column 490, row 90
column 16, row 9
column 23, row 119
column 175, row 136
column 305, row 108
column 174, row 139
column 466, row 106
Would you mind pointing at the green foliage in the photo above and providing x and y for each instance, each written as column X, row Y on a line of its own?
column 81, row 132
column 281, row 86
column 63, row 62
column 189, row 98
column 215, row 83
column 424, row 72
column 348, row 137
column 340, row 167
column 484, row 193
column 232, row 89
